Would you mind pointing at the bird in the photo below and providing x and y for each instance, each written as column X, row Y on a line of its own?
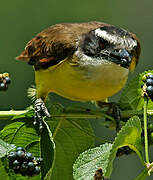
column 88, row 61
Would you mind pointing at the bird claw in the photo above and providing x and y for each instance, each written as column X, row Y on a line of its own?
column 40, row 112
column 113, row 110
column 116, row 113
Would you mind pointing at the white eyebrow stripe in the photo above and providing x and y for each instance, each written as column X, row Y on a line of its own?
column 116, row 40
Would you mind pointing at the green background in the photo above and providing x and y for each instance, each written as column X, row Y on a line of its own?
column 20, row 20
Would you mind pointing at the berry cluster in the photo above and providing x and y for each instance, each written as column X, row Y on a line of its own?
column 148, row 79
column 24, row 163
column 4, row 81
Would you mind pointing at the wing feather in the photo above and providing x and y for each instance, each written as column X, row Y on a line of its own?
column 55, row 43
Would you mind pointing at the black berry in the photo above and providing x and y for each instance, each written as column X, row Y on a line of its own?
column 24, row 163
column 3, row 86
column 20, row 149
column 29, row 156
column 6, row 87
column 37, row 170
column 20, row 155
column 31, row 166
column 24, row 168
column 150, row 76
column 17, row 171
column 39, row 161
column 41, row 127
column 149, row 82
column 8, row 80
column 16, row 164
column 12, row 156
column 149, row 90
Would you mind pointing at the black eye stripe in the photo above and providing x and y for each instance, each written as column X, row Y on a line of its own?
column 90, row 44
column 102, row 43
column 93, row 44
column 116, row 30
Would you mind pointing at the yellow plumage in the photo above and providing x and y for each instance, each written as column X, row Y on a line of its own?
column 81, row 83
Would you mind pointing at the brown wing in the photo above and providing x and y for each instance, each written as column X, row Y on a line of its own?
column 55, row 43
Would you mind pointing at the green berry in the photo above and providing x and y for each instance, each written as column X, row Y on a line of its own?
column 144, row 78
column 151, row 137
column 150, row 127
column 5, row 74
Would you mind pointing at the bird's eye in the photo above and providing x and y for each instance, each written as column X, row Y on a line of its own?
column 102, row 43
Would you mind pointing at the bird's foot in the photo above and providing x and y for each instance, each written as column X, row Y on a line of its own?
column 113, row 110
column 40, row 112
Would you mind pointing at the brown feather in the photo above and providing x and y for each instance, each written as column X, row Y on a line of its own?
column 56, row 42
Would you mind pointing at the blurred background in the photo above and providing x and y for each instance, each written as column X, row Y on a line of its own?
column 20, row 20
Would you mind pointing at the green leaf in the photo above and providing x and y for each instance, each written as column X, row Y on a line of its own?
column 3, row 174
column 21, row 133
column 89, row 161
column 143, row 175
column 129, row 135
column 131, row 97
column 102, row 157
column 5, row 148
column 47, row 151
column 71, row 137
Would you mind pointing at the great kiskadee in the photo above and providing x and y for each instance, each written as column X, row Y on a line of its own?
column 80, row 61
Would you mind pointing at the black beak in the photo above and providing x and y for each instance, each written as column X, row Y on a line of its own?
column 122, row 57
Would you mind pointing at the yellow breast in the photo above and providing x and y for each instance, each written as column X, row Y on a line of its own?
column 82, row 82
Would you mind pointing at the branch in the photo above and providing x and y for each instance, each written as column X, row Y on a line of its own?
column 10, row 114
column 88, row 114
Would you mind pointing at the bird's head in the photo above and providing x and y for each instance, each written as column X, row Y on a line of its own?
column 113, row 44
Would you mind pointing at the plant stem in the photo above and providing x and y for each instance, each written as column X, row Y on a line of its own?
column 143, row 175
column 145, row 130
column 92, row 114
column 10, row 114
